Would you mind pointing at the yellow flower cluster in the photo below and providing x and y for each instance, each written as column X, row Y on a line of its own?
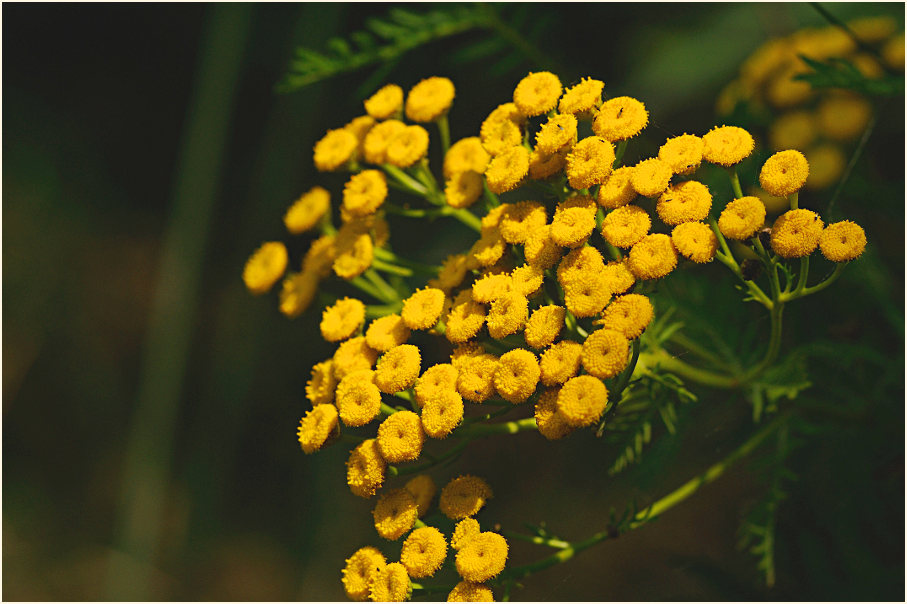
column 822, row 123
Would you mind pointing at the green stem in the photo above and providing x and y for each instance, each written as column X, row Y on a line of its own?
column 727, row 258
column 449, row 454
column 366, row 287
column 695, row 348
column 373, row 311
column 405, row 180
column 628, row 372
column 619, row 153
column 794, row 199
column 519, row 425
column 464, row 216
column 491, row 200
column 387, row 409
column 388, row 256
column 386, row 267
column 375, row 279
column 770, row 265
column 802, row 277
column 839, row 268
column 444, row 131
column 613, row 251
column 555, row 543
column 735, row 182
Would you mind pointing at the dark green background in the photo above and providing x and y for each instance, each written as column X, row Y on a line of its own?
column 104, row 159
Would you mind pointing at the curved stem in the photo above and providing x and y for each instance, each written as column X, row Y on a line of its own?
column 513, row 427
column 794, row 199
column 804, row 274
column 555, row 543
column 839, row 268
column 364, row 286
column 444, row 131
column 735, row 182
column 619, row 153
column 405, row 180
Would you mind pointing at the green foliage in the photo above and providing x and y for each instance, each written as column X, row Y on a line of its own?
column 841, row 73
column 785, row 379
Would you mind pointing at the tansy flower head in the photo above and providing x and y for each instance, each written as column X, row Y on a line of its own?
column 491, row 287
column 423, row 552
column 465, row 319
column 527, row 279
column 407, row 147
column 784, row 173
column 400, row 437
column 842, row 241
column 785, row 91
column 354, row 252
column 297, row 292
column 582, row 400
column 742, row 218
column 353, row 355
column 359, row 570
column 465, row 155
column 482, row 557
column 843, row 117
column 493, row 218
column 589, row 162
column 316, row 427
column 265, row 267
column 727, row 145
column 358, row 398
column 586, row 297
column 464, row 352
column 364, row 192
column 558, row 132
column 560, row 362
column 365, row 469
column 572, row 227
column 682, row 153
column 584, row 202
column 687, row 201
column 537, row 93
column 695, row 241
column 499, row 135
column 650, row 177
column 320, row 389
column 465, row 530
column 545, row 325
column 826, row 163
column 464, row 496
column 390, row 584
column 893, row 52
column 521, row 218
column 442, row 413
column 794, row 130
column 340, row 321
column 359, row 127
column 306, row 211
column 434, row 380
column 385, row 103
column 629, row 314
column 423, row 309
column 796, row 233
column 618, row 277
column 626, row 226
column 540, row 250
column 452, row 272
column 489, row 248
column 463, row 189
column 620, row 118
column 507, row 315
column 429, row 99
column 653, row 257
column 605, row 350
column 423, row 489
column 580, row 264
column 398, row 368
column 319, row 258
column 617, row 190
column 335, row 149
column 544, row 165
column 551, row 422
column 386, row 332
column 475, row 380
column 517, row 375
column 374, row 147
column 581, row 100
column 507, row 170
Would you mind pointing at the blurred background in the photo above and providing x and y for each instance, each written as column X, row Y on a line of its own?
column 150, row 403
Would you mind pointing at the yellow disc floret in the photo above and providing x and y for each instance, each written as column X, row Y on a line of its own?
column 784, row 173
column 423, row 309
column 507, row 315
column 572, row 227
column 365, row 469
column 742, row 218
column 465, row 319
column 626, row 226
column 364, row 193
column 386, row 332
column 463, row 189
column 442, row 413
column 390, row 584
column 517, row 375
column 589, row 162
column 796, row 233
column 521, row 218
column 265, row 267
column 358, row 398
column 343, row 319
column 482, row 557
column 537, row 93
column 475, row 380
column 581, row 100
column 688, row 201
column 435, row 380
column 353, row 355
column 727, row 145
column 540, row 250
column 423, row 552
column 582, row 400
column 407, row 147
column 297, row 292
column 465, row 155
column 682, row 153
column 560, row 362
column 551, row 422
column 374, row 147
column 653, row 257
column 618, row 277
column 527, row 279
column 586, row 297
column 558, row 132
column 605, row 350
column 306, row 211
column 695, row 241
column 430, row 99
column 423, row 488
column 464, row 496
column 651, row 177
column 400, row 437
column 320, row 389
column 335, row 149
column 620, row 118
column 385, row 103
column 545, row 325
column 463, row 532
column 398, row 369
column 507, row 170
column 842, row 241
column 315, row 428
column 629, row 314
column 359, row 570
column 617, row 190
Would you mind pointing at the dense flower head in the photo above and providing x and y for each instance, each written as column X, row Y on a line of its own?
column 358, row 398
column 629, row 314
column 386, row 332
column 435, row 380
column 653, row 257
column 354, row 251
column 558, row 132
column 465, row 319
column 463, row 189
column 545, row 165
column 343, row 319
column 620, row 118
column 651, row 177
column 424, row 550
column 796, row 233
column 688, row 201
column 682, row 153
column 550, row 421
column 265, row 267
column 544, row 325
column 463, row 531
column 398, row 368
column 423, row 489
column 490, row 287
column 605, row 351
column 626, row 226
column 359, row 570
column 453, row 271
column 582, row 99
column 499, row 135
column 572, row 227
column 365, row 469
column 465, row 155
column 374, row 147
column 319, row 258
column 385, row 103
column 364, row 192
column 587, row 297
column 560, row 362
column 618, row 277
column 521, row 218
column 475, row 380
column 353, row 355
column 517, row 375
column 727, row 145
column 589, row 162
column 540, row 249
column 423, row 309
column 507, row 170
column 537, row 93
column 464, row 496
column 359, row 127
column 430, row 99
column 582, row 400
column 507, row 315
column 616, row 190
column 320, row 388
column 297, row 292
column 442, row 413
column 695, row 241
column 843, row 117
column 390, row 584
column 306, row 211
column 482, row 557
column 335, row 149
column 784, row 173
column 400, row 437
column 316, row 427
column 742, row 218
column 527, row 279
column 395, row 513
column 842, row 241
column 407, row 147
column 489, row 248
column 578, row 265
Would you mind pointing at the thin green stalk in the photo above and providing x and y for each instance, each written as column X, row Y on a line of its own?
column 366, row 287
column 474, row 430
column 624, row 378
column 444, row 131
column 464, row 216
column 727, row 258
column 806, row 291
column 405, row 180
column 613, row 251
column 393, row 269
column 373, row 311
column 802, row 276
column 555, row 543
column 735, row 182
column 694, row 347
column 388, row 256
column 619, row 153
column 794, row 199
column 771, row 266
column 491, row 200
column 391, row 294
column 448, row 455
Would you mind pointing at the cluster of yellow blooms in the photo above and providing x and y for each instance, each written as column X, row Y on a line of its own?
column 822, row 123
column 533, row 310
